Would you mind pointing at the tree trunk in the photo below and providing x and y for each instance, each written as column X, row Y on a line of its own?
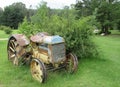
column 106, row 30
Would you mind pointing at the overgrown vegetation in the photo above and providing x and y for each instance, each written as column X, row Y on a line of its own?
column 7, row 30
column 77, row 33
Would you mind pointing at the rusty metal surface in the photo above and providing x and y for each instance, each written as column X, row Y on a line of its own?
column 22, row 40
column 58, row 52
column 45, row 38
column 38, row 38
column 72, row 63
column 37, row 54
column 15, row 51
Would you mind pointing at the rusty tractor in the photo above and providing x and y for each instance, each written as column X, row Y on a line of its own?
column 42, row 52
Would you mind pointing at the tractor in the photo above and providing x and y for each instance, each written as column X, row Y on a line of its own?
column 43, row 52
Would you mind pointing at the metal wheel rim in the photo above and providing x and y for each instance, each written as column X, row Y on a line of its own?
column 12, row 51
column 37, row 70
column 71, row 63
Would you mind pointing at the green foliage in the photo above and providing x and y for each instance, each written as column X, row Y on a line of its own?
column 2, row 27
column 13, row 15
column 1, row 13
column 26, row 28
column 106, row 12
column 8, row 30
column 41, row 18
column 86, row 7
column 77, row 33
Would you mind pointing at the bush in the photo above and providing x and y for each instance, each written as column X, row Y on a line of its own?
column 8, row 30
column 26, row 28
column 77, row 34
column 2, row 27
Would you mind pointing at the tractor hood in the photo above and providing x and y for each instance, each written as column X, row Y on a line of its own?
column 53, row 39
column 43, row 38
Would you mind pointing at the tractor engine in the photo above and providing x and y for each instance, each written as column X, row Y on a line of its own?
column 50, row 49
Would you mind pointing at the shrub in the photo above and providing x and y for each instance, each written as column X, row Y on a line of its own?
column 8, row 30
column 3, row 27
column 26, row 28
column 77, row 34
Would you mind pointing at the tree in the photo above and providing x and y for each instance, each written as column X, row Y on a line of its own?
column 86, row 7
column 30, row 12
column 108, row 15
column 106, row 12
column 42, row 16
column 116, row 13
column 13, row 15
column 1, row 13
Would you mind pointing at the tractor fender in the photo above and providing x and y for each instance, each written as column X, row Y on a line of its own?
column 21, row 39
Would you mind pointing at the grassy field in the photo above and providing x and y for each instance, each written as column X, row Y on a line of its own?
column 3, row 35
column 95, row 72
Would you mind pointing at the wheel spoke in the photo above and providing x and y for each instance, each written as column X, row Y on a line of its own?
column 71, row 63
column 38, row 70
column 15, row 51
column 15, row 61
column 12, row 56
column 12, row 49
column 15, row 43
column 37, row 73
column 12, row 43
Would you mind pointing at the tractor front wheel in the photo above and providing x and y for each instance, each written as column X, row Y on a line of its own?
column 38, row 70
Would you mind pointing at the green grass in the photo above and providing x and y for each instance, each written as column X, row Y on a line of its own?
column 3, row 35
column 15, row 31
column 115, row 32
column 92, row 72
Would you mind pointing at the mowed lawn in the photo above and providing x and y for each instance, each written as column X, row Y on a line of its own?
column 3, row 35
column 103, row 71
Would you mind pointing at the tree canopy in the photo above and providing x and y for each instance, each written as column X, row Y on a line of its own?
column 106, row 12
column 13, row 15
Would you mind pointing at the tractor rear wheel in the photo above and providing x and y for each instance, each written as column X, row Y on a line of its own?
column 15, row 51
column 38, row 70
column 71, row 63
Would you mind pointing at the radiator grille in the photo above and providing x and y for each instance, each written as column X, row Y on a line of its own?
column 58, row 51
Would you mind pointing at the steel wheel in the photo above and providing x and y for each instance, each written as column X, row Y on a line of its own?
column 71, row 63
column 14, row 51
column 38, row 70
